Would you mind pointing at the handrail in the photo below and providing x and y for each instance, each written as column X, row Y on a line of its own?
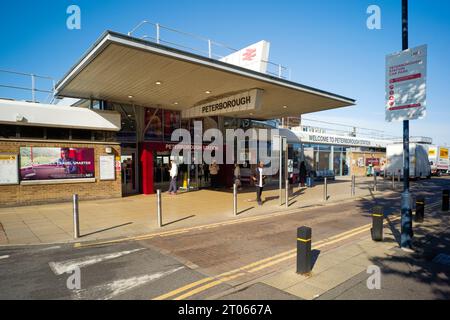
column 210, row 43
column 33, row 87
column 137, row 26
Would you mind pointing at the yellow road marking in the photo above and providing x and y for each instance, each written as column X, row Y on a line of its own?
column 253, row 264
column 259, row 265
column 179, row 290
column 208, row 286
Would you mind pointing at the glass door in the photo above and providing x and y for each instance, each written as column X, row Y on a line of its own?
column 129, row 171
column 161, row 171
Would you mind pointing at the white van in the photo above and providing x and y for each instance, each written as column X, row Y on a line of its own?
column 419, row 165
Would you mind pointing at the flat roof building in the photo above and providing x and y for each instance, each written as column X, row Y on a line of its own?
column 132, row 94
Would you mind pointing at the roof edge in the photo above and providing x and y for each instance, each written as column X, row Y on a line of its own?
column 108, row 37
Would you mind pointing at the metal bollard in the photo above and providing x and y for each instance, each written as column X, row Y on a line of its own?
column 235, row 199
column 286, row 203
column 159, row 202
column 352, row 186
column 393, row 181
column 377, row 223
column 325, row 189
column 445, row 199
column 374, row 182
column 304, row 256
column 76, row 217
column 420, row 209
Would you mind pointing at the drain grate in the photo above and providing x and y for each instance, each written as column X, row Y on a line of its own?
column 443, row 259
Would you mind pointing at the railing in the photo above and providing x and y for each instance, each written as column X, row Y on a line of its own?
column 414, row 139
column 19, row 84
column 347, row 130
column 206, row 47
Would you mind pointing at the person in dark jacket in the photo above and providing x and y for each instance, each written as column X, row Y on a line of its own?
column 302, row 173
column 259, row 178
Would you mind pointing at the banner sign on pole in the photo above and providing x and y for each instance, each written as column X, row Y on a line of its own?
column 406, row 74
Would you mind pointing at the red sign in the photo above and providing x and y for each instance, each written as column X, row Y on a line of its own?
column 249, row 54
column 372, row 161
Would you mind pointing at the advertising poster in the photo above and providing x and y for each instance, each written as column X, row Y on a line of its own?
column 9, row 173
column 171, row 123
column 153, row 124
column 46, row 163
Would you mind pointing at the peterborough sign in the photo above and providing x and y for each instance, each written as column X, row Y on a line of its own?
column 240, row 103
column 406, row 73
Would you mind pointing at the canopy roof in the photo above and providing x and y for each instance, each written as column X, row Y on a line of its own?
column 124, row 69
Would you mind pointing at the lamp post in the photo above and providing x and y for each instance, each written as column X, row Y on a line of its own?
column 406, row 219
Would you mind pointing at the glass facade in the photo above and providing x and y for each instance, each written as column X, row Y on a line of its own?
column 320, row 157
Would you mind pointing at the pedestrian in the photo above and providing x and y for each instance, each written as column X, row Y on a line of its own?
column 237, row 176
column 173, row 178
column 302, row 174
column 206, row 172
column 259, row 179
column 200, row 174
column 213, row 172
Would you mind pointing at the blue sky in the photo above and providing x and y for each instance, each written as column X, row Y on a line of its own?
column 325, row 42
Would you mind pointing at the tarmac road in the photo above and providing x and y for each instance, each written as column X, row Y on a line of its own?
column 198, row 264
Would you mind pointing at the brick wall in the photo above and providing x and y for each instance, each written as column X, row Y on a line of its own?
column 361, row 171
column 12, row 195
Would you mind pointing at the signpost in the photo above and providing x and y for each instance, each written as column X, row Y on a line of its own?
column 406, row 100
column 406, row 73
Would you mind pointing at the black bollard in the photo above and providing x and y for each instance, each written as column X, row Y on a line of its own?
column 377, row 223
column 420, row 209
column 304, row 257
column 445, row 199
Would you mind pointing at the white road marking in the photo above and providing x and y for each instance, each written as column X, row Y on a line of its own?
column 65, row 266
column 4, row 257
column 112, row 289
column 49, row 248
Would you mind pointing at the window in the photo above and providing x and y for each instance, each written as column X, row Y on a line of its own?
column 171, row 123
column 7, row 131
column 128, row 118
column 32, row 132
column 58, row 133
column 153, row 124
column 81, row 134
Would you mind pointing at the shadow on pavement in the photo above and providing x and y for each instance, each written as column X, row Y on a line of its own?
column 178, row 220
column 107, row 229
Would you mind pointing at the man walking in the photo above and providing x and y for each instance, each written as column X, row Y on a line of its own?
column 173, row 178
column 259, row 179
column 214, row 172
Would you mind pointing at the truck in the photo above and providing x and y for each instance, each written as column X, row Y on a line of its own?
column 439, row 161
column 419, row 165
